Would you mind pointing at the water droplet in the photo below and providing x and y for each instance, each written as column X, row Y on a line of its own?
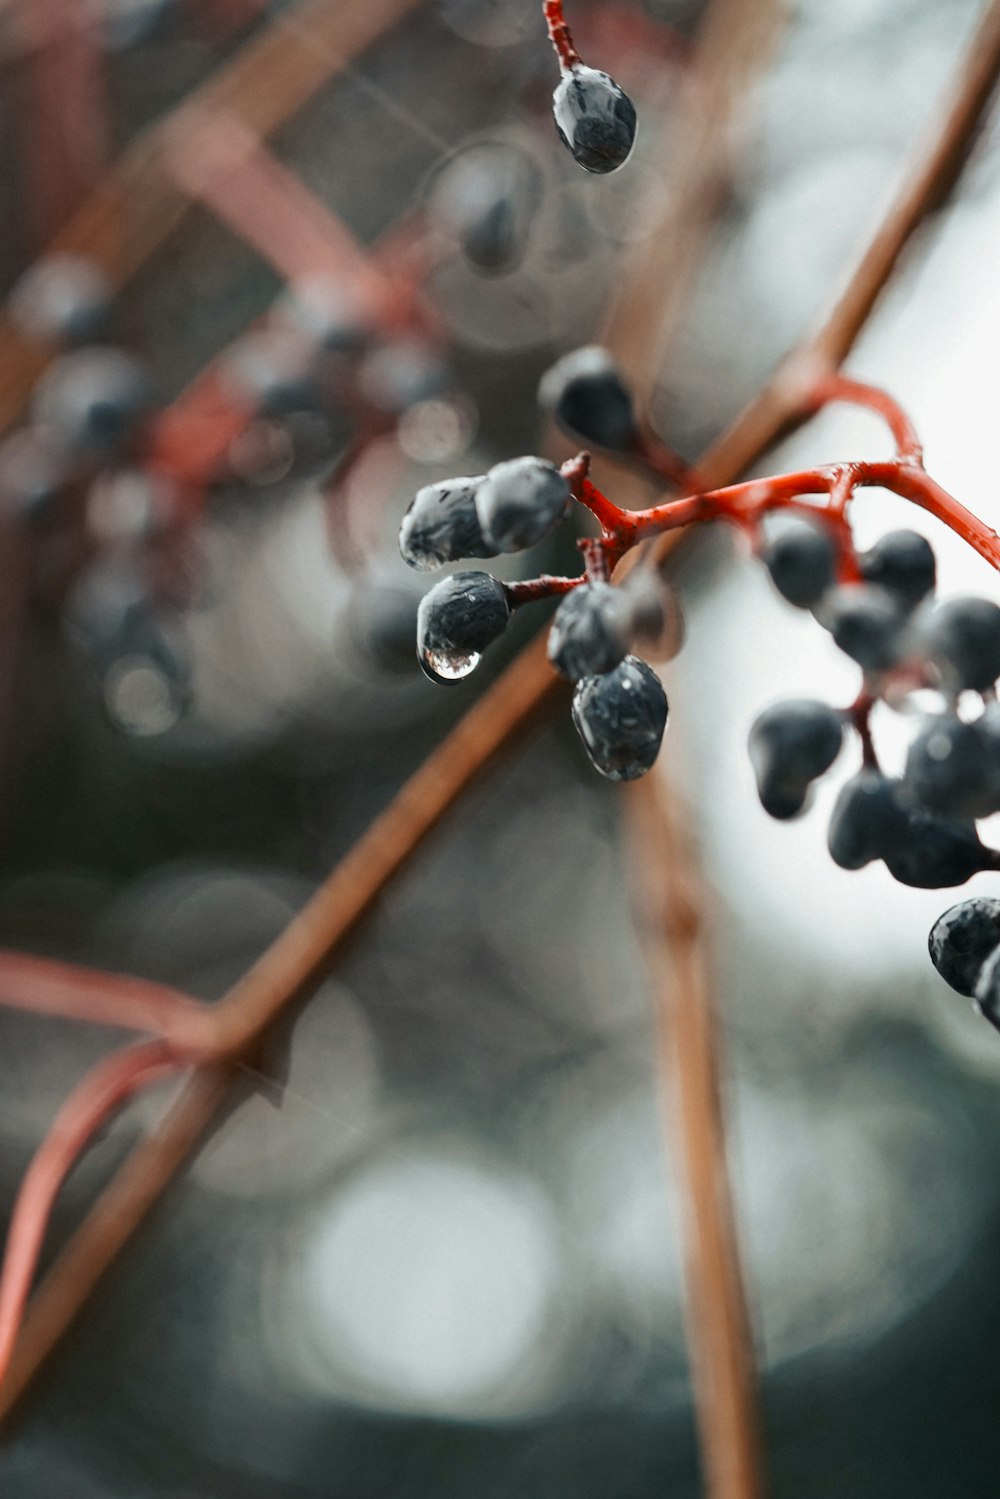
column 449, row 666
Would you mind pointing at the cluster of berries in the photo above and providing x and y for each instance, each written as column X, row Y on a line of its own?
column 922, row 825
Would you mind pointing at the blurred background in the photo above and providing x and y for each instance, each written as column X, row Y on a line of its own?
column 243, row 324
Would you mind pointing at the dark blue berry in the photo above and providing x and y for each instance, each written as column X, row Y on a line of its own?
column 962, row 939
column 620, row 717
column 790, row 745
column 325, row 314
column 952, row 767
column 932, row 853
column 987, row 990
column 92, row 401
column 590, row 631
column 456, row 621
column 594, row 118
column 801, row 557
column 442, row 525
column 963, row 638
column 275, row 368
column 396, row 375
column 867, row 818
column 867, row 625
column 518, row 502
column 902, row 562
column 585, row 393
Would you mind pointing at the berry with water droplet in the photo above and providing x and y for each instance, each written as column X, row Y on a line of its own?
column 590, row 631
column 519, row 502
column 442, row 525
column 456, row 621
column 587, row 396
column 621, row 716
column 801, row 557
column 790, row 745
column 901, row 562
column 594, row 118
column 962, row 939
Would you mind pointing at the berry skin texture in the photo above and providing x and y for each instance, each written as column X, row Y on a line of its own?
column 790, row 745
column 866, row 625
column 594, row 118
column 801, row 559
column 519, row 502
column 953, row 768
column 456, row 621
column 621, row 717
column 442, row 525
column 901, row 562
column 590, row 631
column 586, row 395
column 963, row 637
column 987, row 991
column 867, row 818
column 962, row 939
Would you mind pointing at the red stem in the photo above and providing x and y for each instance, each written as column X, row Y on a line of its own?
column 559, row 35
column 104, row 1089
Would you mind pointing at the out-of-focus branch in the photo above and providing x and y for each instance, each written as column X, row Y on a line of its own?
column 307, row 948
column 138, row 205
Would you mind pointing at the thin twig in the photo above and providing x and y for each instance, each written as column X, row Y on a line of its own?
column 303, row 954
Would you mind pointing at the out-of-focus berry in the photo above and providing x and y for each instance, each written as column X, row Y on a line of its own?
column 63, row 298
column 398, row 374
column 487, row 195
column 324, row 314
column 32, row 473
column 866, row 623
column 952, row 767
column 790, row 745
column 129, row 505
column 275, row 369
column 587, row 396
column 962, row 939
column 590, row 631
column 963, row 638
column 520, row 501
column 442, row 525
column 91, row 402
column 901, row 562
column 620, row 717
column 867, row 818
column 801, row 557
column 594, row 118
column 456, row 621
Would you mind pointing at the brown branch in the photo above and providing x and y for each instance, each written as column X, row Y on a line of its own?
column 303, row 954
column 138, row 205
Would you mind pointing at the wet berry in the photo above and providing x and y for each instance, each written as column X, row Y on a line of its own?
column 487, row 196
column 620, row 717
column 585, row 393
column 963, row 638
column 867, row 625
column 790, row 745
column 594, row 118
column 456, row 621
column 442, row 525
column 867, row 818
column 987, row 990
column 590, row 631
column 953, row 768
column 901, row 562
column 962, row 939
column 518, row 502
column 801, row 558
